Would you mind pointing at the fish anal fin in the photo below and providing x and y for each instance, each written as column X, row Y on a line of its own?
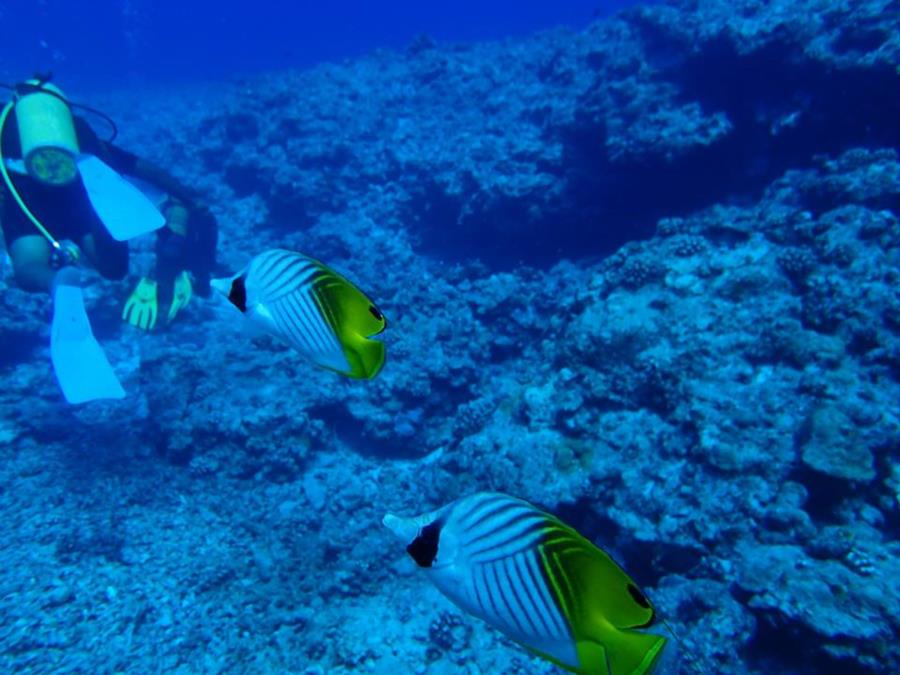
column 620, row 653
column 592, row 652
column 593, row 658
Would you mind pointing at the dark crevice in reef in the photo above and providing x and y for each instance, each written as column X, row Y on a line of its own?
column 643, row 561
column 624, row 201
column 246, row 179
column 432, row 214
column 826, row 494
column 780, row 648
column 287, row 210
column 784, row 110
column 353, row 434
column 884, row 463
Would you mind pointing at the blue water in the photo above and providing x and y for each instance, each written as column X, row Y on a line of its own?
column 638, row 268
column 110, row 40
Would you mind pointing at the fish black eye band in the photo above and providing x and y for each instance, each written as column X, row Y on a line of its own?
column 23, row 88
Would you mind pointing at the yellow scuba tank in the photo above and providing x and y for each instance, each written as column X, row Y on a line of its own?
column 47, row 134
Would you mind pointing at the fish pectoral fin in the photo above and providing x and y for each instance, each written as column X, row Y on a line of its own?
column 258, row 321
column 366, row 356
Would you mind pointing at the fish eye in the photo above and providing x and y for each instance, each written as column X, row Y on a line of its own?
column 638, row 597
column 238, row 293
column 373, row 310
column 424, row 547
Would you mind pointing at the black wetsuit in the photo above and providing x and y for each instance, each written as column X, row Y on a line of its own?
column 65, row 211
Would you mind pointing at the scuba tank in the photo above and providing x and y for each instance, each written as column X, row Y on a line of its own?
column 46, row 133
column 51, row 155
column 48, row 142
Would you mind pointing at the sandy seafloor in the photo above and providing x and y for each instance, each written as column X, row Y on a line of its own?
column 644, row 274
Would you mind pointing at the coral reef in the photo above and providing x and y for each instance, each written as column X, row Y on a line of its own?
column 645, row 275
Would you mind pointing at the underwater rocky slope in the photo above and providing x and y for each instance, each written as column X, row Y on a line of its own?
column 697, row 364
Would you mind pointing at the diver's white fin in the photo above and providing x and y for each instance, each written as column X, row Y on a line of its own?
column 81, row 367
column 151, row 192
column 124, row 210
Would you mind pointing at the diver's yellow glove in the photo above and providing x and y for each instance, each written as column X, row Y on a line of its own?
column 181, row 295
column 141, row 308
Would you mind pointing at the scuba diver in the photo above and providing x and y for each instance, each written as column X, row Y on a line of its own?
column 69, row 198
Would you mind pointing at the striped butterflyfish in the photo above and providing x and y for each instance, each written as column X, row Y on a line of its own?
column 312, row 308
column 534, row 578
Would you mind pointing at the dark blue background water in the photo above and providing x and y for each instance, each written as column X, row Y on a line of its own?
column 96, row 42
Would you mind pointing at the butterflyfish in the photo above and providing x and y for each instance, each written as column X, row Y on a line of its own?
column 312, row 308
column 537, row 580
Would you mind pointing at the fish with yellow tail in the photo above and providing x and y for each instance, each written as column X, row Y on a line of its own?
column 534, row 578
column 311, row 308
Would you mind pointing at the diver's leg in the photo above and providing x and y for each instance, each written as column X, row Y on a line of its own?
column 31, row 255
column 170, row 249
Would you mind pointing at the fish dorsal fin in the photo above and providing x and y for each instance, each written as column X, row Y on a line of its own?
column 278, row 273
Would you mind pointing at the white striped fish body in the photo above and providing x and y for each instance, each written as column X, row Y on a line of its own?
column 280, row 300
column 488, row 564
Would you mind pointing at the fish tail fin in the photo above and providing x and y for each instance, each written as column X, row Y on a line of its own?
column 634, row 653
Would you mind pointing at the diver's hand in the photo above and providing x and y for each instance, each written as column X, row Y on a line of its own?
column 181, row 295
column 141, row 307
